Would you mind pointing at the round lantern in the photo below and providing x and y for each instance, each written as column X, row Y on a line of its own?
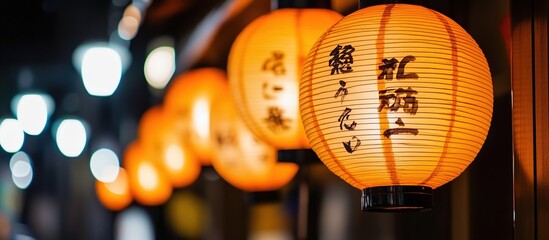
column 114, row 195
column 159, row 133
column 189, row 97
column 240, row 157
column 396, row 100
column 149, row 185
column 263, row 69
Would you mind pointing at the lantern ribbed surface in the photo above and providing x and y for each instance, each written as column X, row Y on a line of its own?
column 396, row 95
column 240, row 158
column 264, row 66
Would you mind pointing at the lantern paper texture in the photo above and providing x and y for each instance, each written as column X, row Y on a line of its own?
column 264, row 67
column 189, row 97
column 240, row 157
column 160, row 135
column 396, row 95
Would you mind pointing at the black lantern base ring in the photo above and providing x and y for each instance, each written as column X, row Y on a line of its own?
column 397, row 199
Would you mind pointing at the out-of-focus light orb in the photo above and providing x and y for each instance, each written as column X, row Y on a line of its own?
column 186, row 214
column 104, row 165
column 129, row 24
column 119, row 47
column 32, row 113
column 21, row 170
column 12, row 136
column 115, row 195
column 147, row 176
column 101, row 71
column 160, row 66
column 127, row 28
column 71, row 137
column 134, row 223
column 133, row 11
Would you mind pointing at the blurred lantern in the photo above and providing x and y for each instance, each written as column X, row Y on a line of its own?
column 12, row 135
column 101, row 70
column 159, row 133
column 21, row 170
column 268, row 221
column 241, row 158
column 396, row 100
column 33, row 111
column 149, row 185
column 264, row 67
column 114, row 195
column 186, row 213
column 104, row 165
column 190, row 97
column 71, row 136
column 134, row 223
column 160, row 66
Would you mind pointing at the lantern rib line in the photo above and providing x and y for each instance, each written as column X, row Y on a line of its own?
column 314, row 119
column 357, row 82
column 380, row 47
column 455, row 62
column 244, row 103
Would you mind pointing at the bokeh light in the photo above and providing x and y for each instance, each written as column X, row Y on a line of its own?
column 134, row 223
column 21, row 170
column 160, row 66
column 104, row 165
column 147, row 176
column 115, row 195
column 101, row 71
column 12, row 136
column 71, row 137
column 186, row 214
column 149, row 183
column 129, row 24
column 33, row 111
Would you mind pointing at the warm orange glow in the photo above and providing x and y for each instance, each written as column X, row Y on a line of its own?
column 189, row 98
column 240, row 158
column 186, row 213
column 396, row 95
column 264, row 67
column 160, row 134
column 148, row 183
column 114, row 195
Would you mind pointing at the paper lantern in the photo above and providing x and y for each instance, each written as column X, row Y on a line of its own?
column 114, row 195
column 189, row 97
column 264, row 67
column 240, row 157
column 160, row 134
column 396, row 100
column 149, row 185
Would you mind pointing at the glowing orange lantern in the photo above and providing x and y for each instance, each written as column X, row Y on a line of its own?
column 263, row 69
column 189, row 97
column 241, row 158
column 114, row 195
column 396, row 100
column 148, row 184
column 159, row 133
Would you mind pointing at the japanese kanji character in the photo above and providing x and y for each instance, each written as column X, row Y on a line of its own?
column 342, row 91
column 275, row 63
column 348, row 145
column 345, row 116
column 341, row 60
